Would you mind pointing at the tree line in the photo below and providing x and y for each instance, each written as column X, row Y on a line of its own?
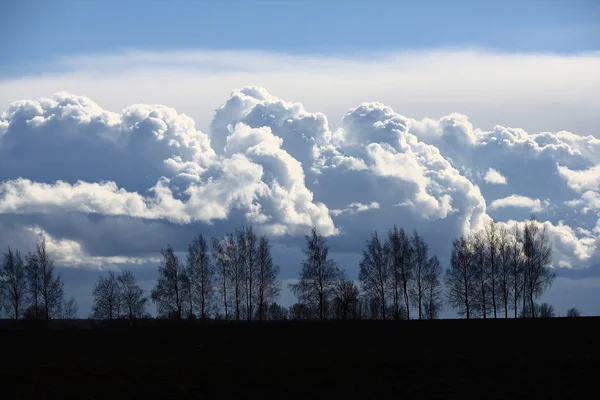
column 30, row 287
column 495, row 271
column 492, row 273
column 233, row 277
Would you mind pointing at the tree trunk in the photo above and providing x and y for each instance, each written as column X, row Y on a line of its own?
column 483, row 299
column 494, row 291
column 382, row 300
column 396, row 300
column 467, row 310
column 46, row 309
column 320, row 306
column 468, row 313
column 420, row 299
column 225, row 296
column 406, row 300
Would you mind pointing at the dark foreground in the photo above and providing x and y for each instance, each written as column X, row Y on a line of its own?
column 502, row 359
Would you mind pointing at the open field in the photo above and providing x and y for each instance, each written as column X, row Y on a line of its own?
column 479, row 359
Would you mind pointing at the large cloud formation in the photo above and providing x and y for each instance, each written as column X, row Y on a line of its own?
column 107, row 187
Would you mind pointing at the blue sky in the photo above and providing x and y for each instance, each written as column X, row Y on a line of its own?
column 38, row 31
column 506, row 93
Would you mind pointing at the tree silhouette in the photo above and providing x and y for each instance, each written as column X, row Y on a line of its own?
column 275, row 312
column 299, row 311
column 345, row 299
column 13, row 284
column 517, row 269
column 69, row 309
column 398, row 254
column 433, row 301
column 573, row 312
column 247, row 254
column 107, row 298
column 419, row 259
column 47, row 286
column 236, row 275
column 223, row 270
column 33, row 277
column 492, row 261
column 545, row 310
column 267, row 284
column 374, row 274
column 199, row 274
column 33, row 313
column 479, row 262
column 133, row 300
column 504, row 270
column 168, row 294
column 537, row 250
column 318, row 275
column 461, row 277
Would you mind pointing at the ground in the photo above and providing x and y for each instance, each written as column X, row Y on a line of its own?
column 478, row 359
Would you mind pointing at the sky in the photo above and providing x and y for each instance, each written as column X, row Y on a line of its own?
column 126, row 126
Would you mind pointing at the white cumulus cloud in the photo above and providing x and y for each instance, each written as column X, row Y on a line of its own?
column 494, row 177
column 516, row 200
column 87, row 178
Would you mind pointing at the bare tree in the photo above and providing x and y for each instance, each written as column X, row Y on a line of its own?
column 223, row 271
column 537, row 250
column 545, row 310
column 374, row 273
column 504, row 270
column 33, row 276
column 236, row 275
column 247, row 248
column 275, row 312
column 492, row 258
column 573, row 312
column 526, row 309
column 168, row 294
column 479, row 263
column 362, row 308
column 318, row 275
column 69, row 309
column 345, row 299
column 267, row 284
column 107, row 298
column 432, row 288
column 419, row 259
column 50, row 286
column 33, row 312
column 13, row 284
column 299, row 311
column 200, row 274
column 461, row 277
column 398, row 254
column 391, row 250
column 188, row 291
column 133, row 300
column 516, row 269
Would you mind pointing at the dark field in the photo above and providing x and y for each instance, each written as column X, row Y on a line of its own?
column 501, row 359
